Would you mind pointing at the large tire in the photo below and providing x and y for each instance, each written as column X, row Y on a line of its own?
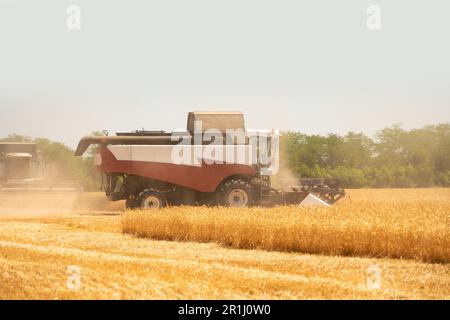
column 152, row 199
column 236, row 193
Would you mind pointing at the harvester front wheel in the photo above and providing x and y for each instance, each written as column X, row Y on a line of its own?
column 236, row 193
column 152, row 199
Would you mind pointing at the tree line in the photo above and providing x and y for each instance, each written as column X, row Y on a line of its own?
column 394, row 157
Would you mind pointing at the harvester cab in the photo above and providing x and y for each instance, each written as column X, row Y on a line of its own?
column 22, row 169
column 215, row 161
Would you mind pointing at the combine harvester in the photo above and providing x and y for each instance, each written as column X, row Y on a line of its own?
column 215, row 161
column 23, row 170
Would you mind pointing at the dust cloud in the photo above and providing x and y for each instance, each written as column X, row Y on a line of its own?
column 56, row 203
column 285, row 178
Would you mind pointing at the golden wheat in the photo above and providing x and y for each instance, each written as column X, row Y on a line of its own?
column 414, row 227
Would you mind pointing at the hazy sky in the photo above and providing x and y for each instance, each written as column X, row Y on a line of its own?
column 312, row 66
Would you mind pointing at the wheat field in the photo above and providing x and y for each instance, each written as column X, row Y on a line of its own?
column 116, row 262
column 382, row 225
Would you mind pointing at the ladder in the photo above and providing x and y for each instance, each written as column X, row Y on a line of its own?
column 265, row 198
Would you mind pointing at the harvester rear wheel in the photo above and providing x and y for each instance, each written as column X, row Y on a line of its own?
column 152, row 199
column 236, row 193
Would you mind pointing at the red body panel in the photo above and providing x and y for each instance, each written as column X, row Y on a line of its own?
column 204, row 179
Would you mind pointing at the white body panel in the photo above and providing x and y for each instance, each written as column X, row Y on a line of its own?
column 191, row 155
